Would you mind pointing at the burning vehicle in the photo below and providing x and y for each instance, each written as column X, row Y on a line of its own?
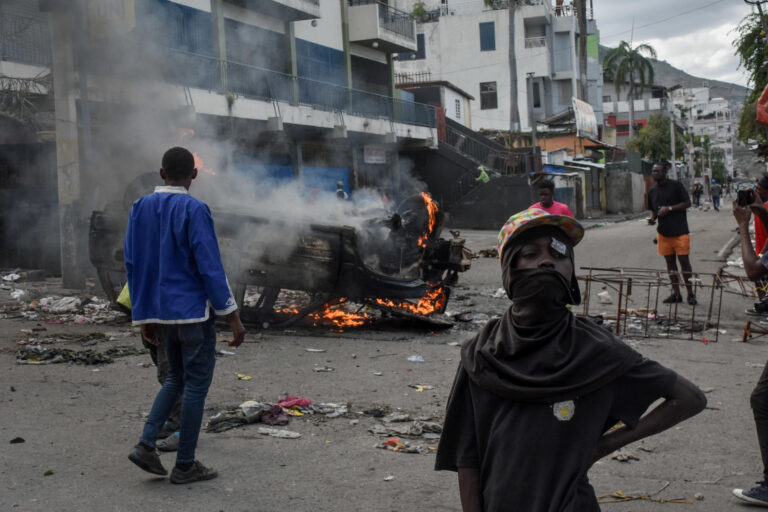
column 284, row 270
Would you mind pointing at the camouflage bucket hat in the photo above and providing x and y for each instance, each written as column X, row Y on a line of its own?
column 531, row 218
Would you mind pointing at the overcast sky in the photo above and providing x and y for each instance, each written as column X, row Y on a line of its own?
column 693, row 35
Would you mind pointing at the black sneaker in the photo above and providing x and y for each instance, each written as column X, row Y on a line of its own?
column 148, row 460
column 673, row 299
column 753, row 312
column 196, row 473
column 756, row 496
column 692, row 299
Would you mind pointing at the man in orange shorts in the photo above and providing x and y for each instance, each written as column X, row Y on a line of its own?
column 668, row 201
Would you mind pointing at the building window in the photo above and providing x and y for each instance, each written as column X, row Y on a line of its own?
column 536, row 95
column 488, row 96
column 565, row 92
column 419, row 54
column 607, row 99
column 458, row 109
column 487, row 37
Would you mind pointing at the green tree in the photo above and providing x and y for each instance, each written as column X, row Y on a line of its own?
column 717, row 164
column 653, row 141
column 752, row 51
column 631, row 66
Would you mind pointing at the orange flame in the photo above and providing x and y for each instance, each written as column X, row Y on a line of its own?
column 187, row 132
column 432, row 211
column 433, row 301
column 336, row 315
column 200, row 166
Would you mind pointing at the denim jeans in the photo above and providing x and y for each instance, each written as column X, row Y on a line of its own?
column 191, row 352
column 716, row 202
column 759, row 403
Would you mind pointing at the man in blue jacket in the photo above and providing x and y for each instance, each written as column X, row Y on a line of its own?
column 178, row 285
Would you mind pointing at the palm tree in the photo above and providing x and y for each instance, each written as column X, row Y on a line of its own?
column 630, row 65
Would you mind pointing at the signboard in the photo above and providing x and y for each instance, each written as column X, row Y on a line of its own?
column 374, row 154
column 586, row 122
column 111, row 17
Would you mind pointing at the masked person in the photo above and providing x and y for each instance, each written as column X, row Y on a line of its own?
column 538, row 389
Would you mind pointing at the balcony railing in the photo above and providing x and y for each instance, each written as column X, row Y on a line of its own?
column 24, row 39
column 535, row 42
column 394, row 20
column 200, row 71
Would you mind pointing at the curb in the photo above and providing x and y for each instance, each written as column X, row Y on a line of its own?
column 600, row 224
column 723, row 253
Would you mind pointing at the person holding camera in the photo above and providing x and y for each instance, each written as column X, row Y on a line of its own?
column 668, row 202
column 756, row 267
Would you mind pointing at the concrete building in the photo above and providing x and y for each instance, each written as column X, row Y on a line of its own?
column 706, row 116
column 546, row 58
column 652, row 100
column 297, row 91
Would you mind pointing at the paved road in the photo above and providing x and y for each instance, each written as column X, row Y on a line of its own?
column 80, row 423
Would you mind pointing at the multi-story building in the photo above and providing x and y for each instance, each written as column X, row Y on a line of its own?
column 653, row 99
column 297, row 91
column 545, row 58
column 707, row 116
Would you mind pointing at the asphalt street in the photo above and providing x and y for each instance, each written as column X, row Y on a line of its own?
column 78, row 423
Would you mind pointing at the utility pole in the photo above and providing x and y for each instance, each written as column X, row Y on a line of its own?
column 672, row 144
column 531, row 116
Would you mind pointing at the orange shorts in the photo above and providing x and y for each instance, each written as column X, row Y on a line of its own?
column 670, row 245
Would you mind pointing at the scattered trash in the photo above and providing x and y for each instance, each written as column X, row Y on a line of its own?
column 11, row 277
column 604, row 298
column 425, row 429
column 320, row 369
column 282, row 434
column 420, row 388
column 378, row 374
column 17, row 440
column 389, row 478
column 396, row 444
column 498, row 294
column 226, row 352
column 698, row 496
column 317, row 350
column 276, row 415
column 242, row 376
column 48, row 473
column 18, row 294
column 39, row 355
column 63, row 305
column 354, row 422
column 755, row 365
column 293, row 400
column 624, row 456
column 487, row 253
column 416, row 359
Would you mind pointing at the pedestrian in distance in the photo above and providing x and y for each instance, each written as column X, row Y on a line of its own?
column 341, row 194
column 546, row 192
column 178, row 285
column 698, row 189
column 714, row 193
column 539, row 392
column 756, row 267
column 668, row 202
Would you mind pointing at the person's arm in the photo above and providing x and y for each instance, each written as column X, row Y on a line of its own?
column 682, row 401
column 752, row 265
column 470, row 490
column 205, row 247
column 651, row 207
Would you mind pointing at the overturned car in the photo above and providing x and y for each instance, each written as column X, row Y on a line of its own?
column 391, row 260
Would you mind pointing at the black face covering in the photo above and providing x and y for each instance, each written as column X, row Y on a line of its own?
column 554, row 356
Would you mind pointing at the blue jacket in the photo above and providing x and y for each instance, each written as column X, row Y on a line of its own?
column 173, row 262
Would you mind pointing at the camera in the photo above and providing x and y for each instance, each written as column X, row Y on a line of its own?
column 744, row 197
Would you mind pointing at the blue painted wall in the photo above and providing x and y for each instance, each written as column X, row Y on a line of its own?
column 320, row 63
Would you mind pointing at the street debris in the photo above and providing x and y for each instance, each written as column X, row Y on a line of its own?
column 282, row 434
column 416, row 359
column 499, row 293
column 396, row 444
column 624, row 456
column 604, row 298
column 242, row 376
column 491, row 252
column 322, row 369
column 39, row 355
column 317, row 350
column 389, row 478
column 420, row 388
column 17, row 440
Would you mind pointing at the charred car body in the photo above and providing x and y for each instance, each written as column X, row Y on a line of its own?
column 392, row 260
